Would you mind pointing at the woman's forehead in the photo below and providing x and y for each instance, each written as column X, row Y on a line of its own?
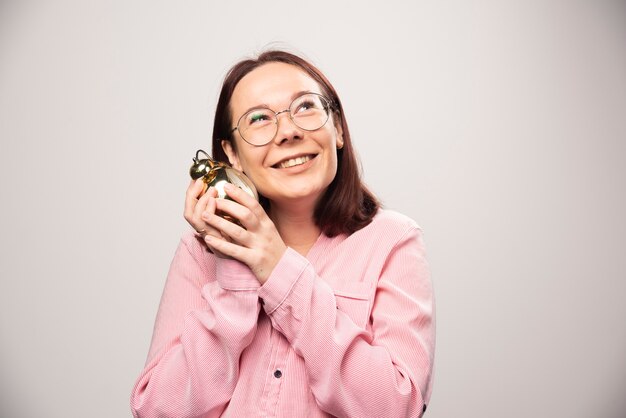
column 272, row 84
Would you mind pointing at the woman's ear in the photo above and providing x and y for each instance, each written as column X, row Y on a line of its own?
column 339, row 131
column 233, row 159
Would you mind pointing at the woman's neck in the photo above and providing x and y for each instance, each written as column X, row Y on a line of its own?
column 297, row 229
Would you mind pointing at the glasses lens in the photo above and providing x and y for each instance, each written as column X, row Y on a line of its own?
column 309, row 111
column 258, row 126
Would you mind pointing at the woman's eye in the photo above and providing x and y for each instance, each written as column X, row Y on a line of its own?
column 305, row 106
column 257, row 117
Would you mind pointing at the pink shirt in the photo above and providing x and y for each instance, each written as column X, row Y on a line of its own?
column 347, row 331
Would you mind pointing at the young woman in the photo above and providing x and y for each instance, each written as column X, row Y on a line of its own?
column 318, row 303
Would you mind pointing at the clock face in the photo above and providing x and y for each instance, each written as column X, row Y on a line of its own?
column 240, row 180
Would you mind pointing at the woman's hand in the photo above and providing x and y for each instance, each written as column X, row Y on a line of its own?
column 258, row 244
column 195, row 206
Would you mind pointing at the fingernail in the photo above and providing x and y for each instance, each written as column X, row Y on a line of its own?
column 208, row 238
column 228, row 187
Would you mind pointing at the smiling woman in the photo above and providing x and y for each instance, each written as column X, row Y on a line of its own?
column 287, row 169
column 317, row 302
column 347, row 205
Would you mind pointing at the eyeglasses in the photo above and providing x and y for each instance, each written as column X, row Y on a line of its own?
column 309, row 111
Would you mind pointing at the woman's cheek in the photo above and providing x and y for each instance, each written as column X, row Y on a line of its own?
column 256, row 177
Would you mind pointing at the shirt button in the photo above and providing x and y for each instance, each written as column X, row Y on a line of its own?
column 278, row 374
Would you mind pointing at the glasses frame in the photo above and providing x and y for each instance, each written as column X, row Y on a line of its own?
column 325, row 100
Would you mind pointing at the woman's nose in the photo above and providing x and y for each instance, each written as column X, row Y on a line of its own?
column 286, row 129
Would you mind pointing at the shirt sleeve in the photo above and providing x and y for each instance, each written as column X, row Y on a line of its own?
column 207, row 317
column 383, row 370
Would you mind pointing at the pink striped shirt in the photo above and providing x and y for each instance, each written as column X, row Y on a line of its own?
column 346, row 331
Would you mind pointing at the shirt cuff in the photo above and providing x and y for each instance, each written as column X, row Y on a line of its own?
column 235, row 275
column 282, row 279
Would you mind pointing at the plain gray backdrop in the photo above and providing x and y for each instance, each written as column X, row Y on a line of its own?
column 499, row 126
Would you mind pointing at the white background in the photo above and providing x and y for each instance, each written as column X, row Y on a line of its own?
column 499, row 126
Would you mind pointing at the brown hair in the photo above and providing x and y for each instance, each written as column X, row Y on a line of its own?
column 347, row 205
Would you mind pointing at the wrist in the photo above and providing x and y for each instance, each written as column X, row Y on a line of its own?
column 265, row 271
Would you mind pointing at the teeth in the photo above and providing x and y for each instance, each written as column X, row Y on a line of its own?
column 294, row 161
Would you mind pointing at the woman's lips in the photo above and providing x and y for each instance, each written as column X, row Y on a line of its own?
column 295, row 161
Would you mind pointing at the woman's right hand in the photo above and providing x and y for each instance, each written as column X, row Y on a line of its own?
column 195, row 204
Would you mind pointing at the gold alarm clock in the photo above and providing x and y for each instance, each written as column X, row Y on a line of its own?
column 216, row 174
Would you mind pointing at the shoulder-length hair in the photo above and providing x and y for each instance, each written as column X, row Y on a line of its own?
column 347, row 205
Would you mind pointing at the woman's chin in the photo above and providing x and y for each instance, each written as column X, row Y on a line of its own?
column 296, row 196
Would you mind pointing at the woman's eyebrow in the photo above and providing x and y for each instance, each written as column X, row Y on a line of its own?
column 299, row 93
column 259, row 106
column 266, row 106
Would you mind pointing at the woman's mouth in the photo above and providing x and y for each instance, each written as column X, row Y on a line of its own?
column 292, row 162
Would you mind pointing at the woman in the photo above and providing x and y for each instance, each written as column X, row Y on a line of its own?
column 319, row 303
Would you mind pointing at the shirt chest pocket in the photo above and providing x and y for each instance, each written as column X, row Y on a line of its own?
column 353, row 299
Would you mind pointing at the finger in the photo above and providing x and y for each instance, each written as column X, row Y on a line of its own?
column 209, row 231
column 245, row 215
column 197, row 187
column 201, row 205
column 197, row 207
column 227, row 228
column 243, row 198
column 209, row 208
column 228, row 248
column 238, row 195
column 191, row 197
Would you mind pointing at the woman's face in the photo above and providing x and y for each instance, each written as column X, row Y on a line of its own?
column 297, row 165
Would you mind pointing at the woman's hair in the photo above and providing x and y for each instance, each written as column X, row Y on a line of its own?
column 347, row 205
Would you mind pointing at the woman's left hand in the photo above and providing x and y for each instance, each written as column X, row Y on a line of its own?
column 258, row 244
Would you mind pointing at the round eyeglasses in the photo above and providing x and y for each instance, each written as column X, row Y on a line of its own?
column 309, row 111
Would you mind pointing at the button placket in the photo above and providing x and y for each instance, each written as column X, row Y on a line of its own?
column 277, row 373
